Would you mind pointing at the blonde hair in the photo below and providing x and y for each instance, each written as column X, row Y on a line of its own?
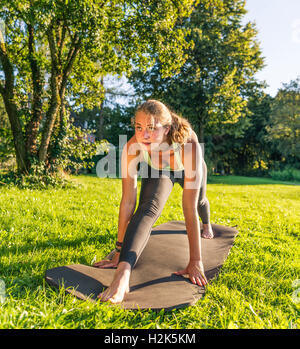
column 180, row 127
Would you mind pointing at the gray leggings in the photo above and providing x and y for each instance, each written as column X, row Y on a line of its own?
column 153, row 196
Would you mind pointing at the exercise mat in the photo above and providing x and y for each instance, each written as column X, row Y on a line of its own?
column 152, row 282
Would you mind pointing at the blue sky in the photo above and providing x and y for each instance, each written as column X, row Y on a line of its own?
column 278, row 24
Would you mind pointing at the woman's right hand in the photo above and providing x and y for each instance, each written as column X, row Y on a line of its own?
column 108, row 263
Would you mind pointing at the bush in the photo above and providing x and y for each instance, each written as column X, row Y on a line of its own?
column 37, row 178
column 287, row 174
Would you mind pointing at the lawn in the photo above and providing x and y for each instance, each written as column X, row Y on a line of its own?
column 53, row 227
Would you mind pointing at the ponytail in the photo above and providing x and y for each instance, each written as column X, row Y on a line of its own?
column 180, row 129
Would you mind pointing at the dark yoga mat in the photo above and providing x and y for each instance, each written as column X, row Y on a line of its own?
column 152, row 283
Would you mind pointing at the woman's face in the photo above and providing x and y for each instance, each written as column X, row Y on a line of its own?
column 149, row 132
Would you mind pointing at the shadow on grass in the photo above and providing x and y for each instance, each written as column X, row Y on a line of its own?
column 27, row 273
column 228, row 180
column 57, row 243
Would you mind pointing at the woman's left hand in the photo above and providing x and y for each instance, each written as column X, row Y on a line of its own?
column 195, row 271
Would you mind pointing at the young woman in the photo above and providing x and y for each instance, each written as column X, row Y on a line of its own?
column 170, row 148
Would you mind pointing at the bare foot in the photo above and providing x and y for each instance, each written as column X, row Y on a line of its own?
column 207, row 232
column 115, row 293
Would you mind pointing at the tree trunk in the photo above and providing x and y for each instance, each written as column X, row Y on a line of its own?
column 32, row 127
column 100, row 133
column 58, row 88
column 48, row 127
column 55, row 147
column 55, row 98
column 18, row 137
column 7, row 92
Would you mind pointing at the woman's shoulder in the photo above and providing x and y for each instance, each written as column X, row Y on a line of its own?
column 192, row 138
column 192, row 145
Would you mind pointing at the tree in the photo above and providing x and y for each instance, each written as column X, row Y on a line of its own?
column 283, row 129
column 54, row 53
column 254, row 152
column 6, row 140
column 251, row 153
column 212, row 86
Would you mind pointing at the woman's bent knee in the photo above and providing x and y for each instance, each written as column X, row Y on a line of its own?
column 203, row 202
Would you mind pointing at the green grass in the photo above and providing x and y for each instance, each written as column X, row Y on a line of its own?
column 49, row 228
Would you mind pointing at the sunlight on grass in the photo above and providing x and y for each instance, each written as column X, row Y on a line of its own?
column 45, row 229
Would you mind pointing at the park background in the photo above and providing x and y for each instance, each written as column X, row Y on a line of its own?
column 71, row 76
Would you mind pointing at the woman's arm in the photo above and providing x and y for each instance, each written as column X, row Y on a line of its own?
column 193, row 175
column 191, row 189
column 192, row 223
